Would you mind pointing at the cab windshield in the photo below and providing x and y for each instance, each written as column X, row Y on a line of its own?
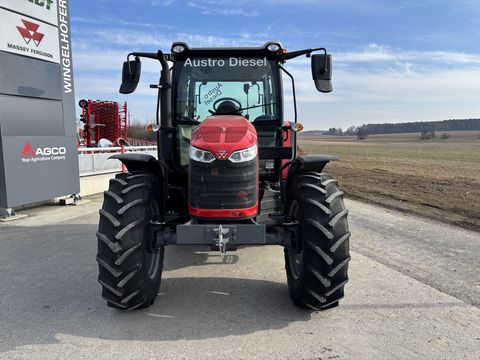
column 219, row 86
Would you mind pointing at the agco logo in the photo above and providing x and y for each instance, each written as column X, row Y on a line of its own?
column 43, row 154
column 30, row 32
column 28, row 151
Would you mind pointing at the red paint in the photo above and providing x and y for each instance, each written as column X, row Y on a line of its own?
column 224, row 213
column 123, row 165
column 104, row 119
column 28, row 151
column 30, row 32
column 224, row 134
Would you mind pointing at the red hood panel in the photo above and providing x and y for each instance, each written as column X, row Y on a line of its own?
column 224, row 134
column 235, row 134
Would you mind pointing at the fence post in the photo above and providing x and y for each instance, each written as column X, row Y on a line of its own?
column 123, row 152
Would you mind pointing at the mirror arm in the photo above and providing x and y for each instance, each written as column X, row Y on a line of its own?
column 129, row 64
column 294, row 106
column 164, row 106
column 308, row 53
column 144, row 55
column 324, row 59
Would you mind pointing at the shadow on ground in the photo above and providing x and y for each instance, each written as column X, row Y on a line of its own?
column 48, row 282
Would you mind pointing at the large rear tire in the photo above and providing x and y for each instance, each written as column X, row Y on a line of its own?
column 130, row 266
column 317, row 268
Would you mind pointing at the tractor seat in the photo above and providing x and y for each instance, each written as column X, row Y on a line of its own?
column 264, row 119
column 227, row 108
column 266, row 129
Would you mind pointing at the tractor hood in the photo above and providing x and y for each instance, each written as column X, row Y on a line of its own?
column 224, row 134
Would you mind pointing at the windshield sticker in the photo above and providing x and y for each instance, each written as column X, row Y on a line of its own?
column 212, row 94
column 231, row 62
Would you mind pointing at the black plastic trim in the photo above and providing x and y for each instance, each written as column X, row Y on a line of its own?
column 309, row 163
column 141, row 162
column 275, row 153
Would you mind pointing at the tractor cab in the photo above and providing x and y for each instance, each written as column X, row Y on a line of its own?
column 244, row 85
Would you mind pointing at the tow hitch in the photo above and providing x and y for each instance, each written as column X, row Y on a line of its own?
column 222, row 240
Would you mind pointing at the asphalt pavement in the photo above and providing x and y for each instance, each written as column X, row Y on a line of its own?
column 414, row 293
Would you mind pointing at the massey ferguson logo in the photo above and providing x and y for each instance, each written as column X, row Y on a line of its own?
column 222, row 154
column 43, row 154
column 30, row 32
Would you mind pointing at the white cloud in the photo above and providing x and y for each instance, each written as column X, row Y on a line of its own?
column 162, row 2
column 153, row 39
column 371, row 52
column 219, row 7
column 381, row 53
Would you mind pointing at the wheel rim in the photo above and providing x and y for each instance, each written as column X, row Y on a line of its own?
column 152, row 253
column 153, row 262
column 295, row 260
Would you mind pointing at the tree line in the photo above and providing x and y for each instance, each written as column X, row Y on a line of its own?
column 409, row 127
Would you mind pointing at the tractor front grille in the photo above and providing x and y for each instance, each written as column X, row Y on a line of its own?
column 223, row 184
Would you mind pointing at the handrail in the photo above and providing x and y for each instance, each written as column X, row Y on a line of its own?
column 94, row 161
column 116, row 148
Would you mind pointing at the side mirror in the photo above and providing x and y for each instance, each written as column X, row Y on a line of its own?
column 130, row 76
column 322, row 72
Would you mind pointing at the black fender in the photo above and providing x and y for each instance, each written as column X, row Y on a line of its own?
column 148, row 163
column 143, row 162
column 309, row 163
column 303, row 164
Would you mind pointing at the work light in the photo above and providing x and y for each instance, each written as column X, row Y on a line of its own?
column 297, row 127
column 177, row 49
column 273, row 47
column 151, row 128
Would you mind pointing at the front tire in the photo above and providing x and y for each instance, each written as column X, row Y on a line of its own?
column 317, row 268
column 130, row 266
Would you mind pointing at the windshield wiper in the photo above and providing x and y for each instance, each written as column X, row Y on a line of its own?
column 185, row 120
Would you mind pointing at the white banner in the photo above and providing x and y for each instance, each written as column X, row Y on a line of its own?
column 26, row 36
column 45, row 10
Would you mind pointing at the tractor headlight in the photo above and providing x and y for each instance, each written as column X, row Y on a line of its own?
column 201, row 155
column 244, row 155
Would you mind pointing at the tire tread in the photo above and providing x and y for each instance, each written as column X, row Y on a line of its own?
column 318, row 204
column 121, row 255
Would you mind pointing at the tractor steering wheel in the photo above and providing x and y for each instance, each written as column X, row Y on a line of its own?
column 226, row 105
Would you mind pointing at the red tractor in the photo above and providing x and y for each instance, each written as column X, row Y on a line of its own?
column 227, row 175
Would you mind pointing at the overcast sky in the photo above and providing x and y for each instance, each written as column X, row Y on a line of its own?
column 394, row 61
